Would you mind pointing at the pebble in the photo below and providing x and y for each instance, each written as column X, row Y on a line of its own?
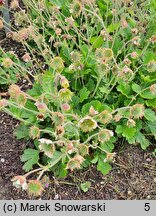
column 2, row 160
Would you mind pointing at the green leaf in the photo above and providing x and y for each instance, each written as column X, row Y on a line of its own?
column 61, row 171
column 125, row 89
column 127, row 132
column 96, row 41
column 31, row 157
column 140, row 138
column 151, row 103
column 104, row 168
column 112, row 27
column 71, row 131
column 136, row 88
column 150, row 115
column 21, row 131
column 85, row 186
column 84, row 93
column 97, row 106
column 147, row 94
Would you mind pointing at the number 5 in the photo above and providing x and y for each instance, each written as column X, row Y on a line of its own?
column 147, row 207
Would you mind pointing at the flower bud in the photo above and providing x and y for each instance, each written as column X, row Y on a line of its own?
column 137, row 111
column 64, row 82
column 65, row 107
column 26, row 57
column 42, row 107
column 92, row 111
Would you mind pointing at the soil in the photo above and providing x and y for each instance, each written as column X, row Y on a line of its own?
column 133, row 175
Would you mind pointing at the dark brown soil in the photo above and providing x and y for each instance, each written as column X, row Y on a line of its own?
column 133, row 175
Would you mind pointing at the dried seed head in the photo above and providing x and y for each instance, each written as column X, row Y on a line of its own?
column 136, row 41
column 135, row 31
column 34, row 132
column 151, row 66
column 70, row 21
column 131, row 123
column 103, row 55
column 21, row 98
column 105, row 117
column 137, row 111
column 76, row 8
column 109, row 157
column 117, row 117
column 126, row 74
column 14, row 4
column 75, row 56
column 60, row 130
column 35, row 188
column 87, row 124
column 58, row 118
column 88, row 2
column 124, row 23
column 83, row 149
column 7, row 63
column 105, row 135
column 57, row 64
column 58, row 31
column 75, row 162
column 14, row 90
column 70, row 148
column 127, row 61
column 19, row 182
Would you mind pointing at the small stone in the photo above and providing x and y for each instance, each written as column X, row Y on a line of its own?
column 2, row 160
